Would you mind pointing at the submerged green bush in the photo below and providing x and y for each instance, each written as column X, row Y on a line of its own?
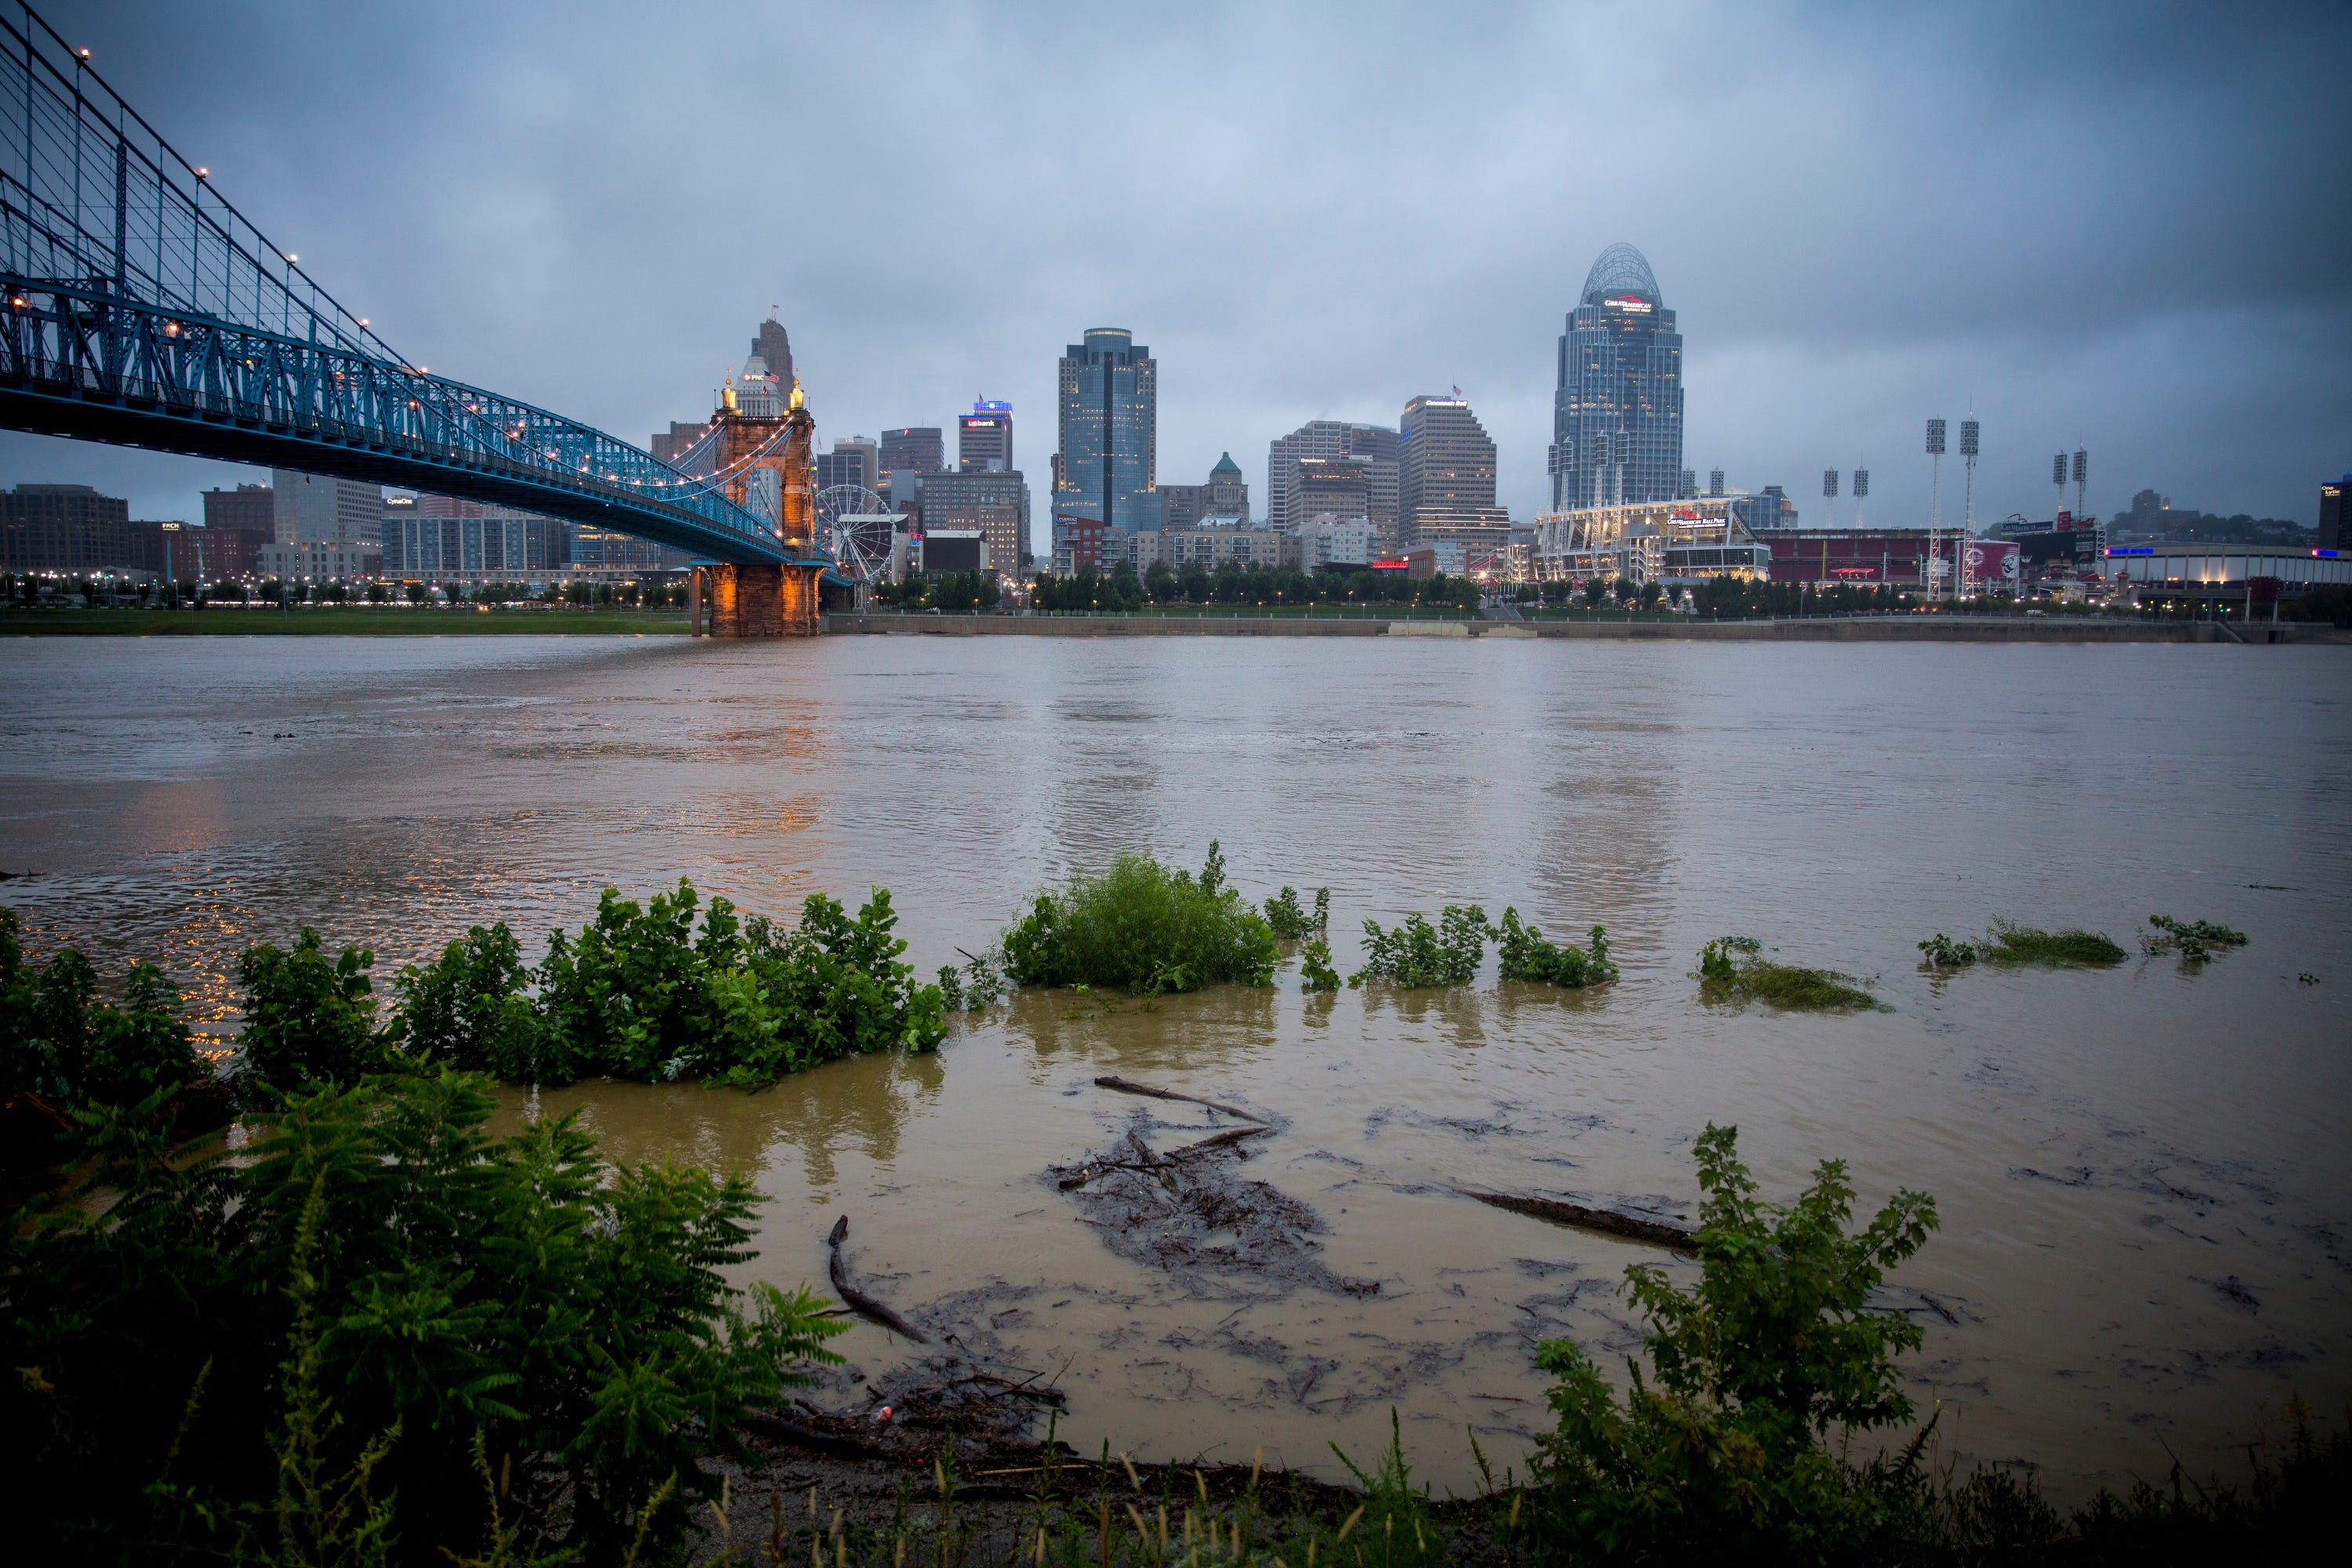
column 1290, row 918
column 1314, row 971
column 1142, row 927
column 2012, row 943
column 1417, row 954
column 308, row 1019
column 378, row 1292
column 1734, row 969
column 59, row 1041
column 642, row 992
column 2193, row 940
column 1524, row 955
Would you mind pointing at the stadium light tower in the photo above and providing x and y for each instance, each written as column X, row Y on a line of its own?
column 1860, row 493
column 1829, row 494
column 2058, row 478
column 1968, row 456
column 2082, row 471
column 1935, row 504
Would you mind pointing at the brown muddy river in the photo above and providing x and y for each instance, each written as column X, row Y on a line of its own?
column 2143, row 1173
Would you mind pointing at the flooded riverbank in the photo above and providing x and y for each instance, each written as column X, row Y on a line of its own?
column 2146, row 1207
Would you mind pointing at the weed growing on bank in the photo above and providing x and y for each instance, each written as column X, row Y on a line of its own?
column 1733, row 969
column 1417, row 954
column 1524, row 955
column 321, row 1346
column 1291, row 920
column 2012, row 943
column 2194, row 940
column 1143, row 928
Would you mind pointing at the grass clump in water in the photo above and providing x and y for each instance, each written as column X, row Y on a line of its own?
column 2010, row 942
column 1419, row 954
column 1290, row 918
column 1527, row 956
column 1734, row 969
column 1142, row 927
column 2194, row 940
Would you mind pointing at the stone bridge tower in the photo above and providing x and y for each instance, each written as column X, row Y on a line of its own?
column 769, row 458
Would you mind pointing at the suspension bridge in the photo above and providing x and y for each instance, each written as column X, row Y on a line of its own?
column 138, row 307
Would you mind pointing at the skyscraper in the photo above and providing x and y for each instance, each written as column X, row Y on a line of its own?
column 1617, row 417
column 1110, row 427
column 775, row 347
column 914, row 449
column 985, row 438
column 1376, row 444
column 1445, row 483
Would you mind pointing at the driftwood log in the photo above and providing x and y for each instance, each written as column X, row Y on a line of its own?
column 1607, row 1222
column 866, row 1305
column 1152, row 1163
column 1128, row 1085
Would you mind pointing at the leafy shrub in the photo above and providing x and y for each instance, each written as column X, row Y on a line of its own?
column 1722, row 1443
column 468, row 1007
column 1525, row 956
column 980, row 983
column 1734, row 969
column 1144, row 928
column 378, row 1288
column 308, row 1019
column 2193, row 940
column 1417, row 954
column 1289, row 918
column 1942, row 952
column 59, row 1041
column 642, row 993
column 1314, row 971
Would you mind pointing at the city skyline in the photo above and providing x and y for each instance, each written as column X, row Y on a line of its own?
column 2168, row 297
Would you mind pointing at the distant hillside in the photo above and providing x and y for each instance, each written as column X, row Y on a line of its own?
column 2151, row 519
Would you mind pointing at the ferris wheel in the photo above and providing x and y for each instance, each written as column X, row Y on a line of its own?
column 854, row 525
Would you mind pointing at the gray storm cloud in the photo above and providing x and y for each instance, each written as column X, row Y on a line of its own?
column 2122, row 226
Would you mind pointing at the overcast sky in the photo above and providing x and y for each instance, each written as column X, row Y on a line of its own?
column 2123, row 225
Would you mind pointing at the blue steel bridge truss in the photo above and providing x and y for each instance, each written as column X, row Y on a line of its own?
column 138, row 307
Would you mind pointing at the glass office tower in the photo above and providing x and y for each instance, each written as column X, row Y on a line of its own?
column 1109, row 428
column 1617, row 417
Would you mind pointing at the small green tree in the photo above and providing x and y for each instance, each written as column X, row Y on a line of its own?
column 1722, row 1446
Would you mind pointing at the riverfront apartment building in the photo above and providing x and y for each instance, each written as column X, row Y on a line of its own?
column 985, row 438
column 1617, row 412
column 2335, row 526
column 1445, row 483
column 64, row 527
column 442, row 539
column 1109, row 430
column 312, row 509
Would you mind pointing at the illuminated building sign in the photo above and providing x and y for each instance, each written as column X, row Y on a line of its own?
column 2140, row 550
column 1629, row 302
